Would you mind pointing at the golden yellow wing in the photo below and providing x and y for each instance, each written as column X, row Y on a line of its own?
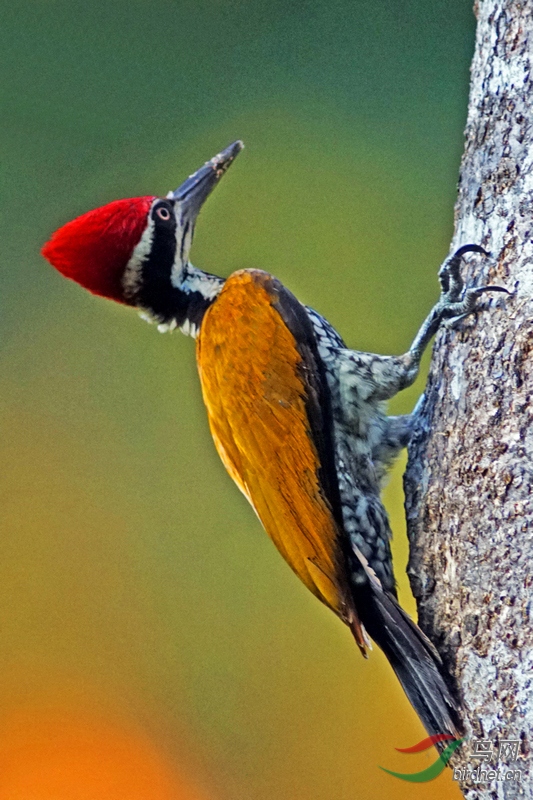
column 263, row 391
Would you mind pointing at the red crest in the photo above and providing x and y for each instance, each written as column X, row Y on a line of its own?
column 94, row 249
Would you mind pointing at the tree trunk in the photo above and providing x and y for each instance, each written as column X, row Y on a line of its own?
column 469, row 477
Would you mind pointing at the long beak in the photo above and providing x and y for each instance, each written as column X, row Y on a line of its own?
column 198, row 186
column 191, row 195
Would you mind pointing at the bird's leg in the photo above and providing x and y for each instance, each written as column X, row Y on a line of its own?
column 371, row 378
column 396, row 434
column 455, row 303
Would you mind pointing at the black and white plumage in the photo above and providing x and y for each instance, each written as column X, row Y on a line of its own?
column 361, row 438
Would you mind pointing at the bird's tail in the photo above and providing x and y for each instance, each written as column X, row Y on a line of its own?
column 413, row 658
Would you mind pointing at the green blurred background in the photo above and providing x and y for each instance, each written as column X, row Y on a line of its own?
column 140, row 602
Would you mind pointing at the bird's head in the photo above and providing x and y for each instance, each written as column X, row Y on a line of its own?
column 136, row 251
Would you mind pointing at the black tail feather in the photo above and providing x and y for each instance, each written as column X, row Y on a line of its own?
column 412, row 657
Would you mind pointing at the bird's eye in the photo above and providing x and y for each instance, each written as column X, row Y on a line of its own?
column 163, row 213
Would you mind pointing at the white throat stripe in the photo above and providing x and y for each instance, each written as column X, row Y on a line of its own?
column 132, row 274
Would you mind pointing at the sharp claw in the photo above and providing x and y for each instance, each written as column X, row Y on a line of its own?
column 454, row 261
column 451, row 282
column 470, row 248
column 483, row 289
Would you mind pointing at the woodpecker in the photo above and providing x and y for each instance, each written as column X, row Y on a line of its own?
column 297, row 418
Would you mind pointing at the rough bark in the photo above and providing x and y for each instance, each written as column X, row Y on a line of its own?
column 469, row 478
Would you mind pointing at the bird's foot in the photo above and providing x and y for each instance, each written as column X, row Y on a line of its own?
column 455, row 302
